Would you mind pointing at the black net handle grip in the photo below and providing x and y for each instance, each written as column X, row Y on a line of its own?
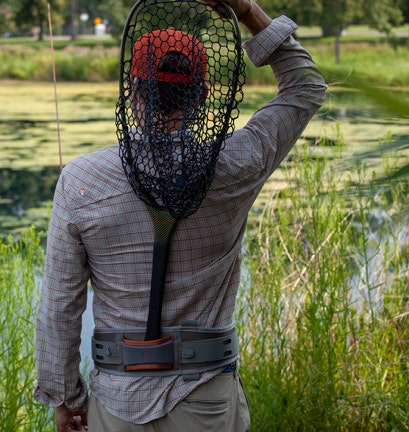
column 163, row 225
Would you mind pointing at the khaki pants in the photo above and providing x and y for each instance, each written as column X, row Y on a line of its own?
column 220, row 405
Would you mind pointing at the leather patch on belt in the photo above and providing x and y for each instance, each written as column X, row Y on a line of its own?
column 148, row 355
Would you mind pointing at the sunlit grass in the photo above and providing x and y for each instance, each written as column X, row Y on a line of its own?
column 380, row 60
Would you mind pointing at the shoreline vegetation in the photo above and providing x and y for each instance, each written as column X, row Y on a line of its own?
column 323, row 314
column 376, row 60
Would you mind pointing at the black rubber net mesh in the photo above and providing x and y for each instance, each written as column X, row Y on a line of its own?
column 181, row 77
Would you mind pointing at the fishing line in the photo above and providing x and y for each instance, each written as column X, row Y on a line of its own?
column 55, row 86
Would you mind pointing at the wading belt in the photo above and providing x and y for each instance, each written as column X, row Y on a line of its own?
column 184, row 350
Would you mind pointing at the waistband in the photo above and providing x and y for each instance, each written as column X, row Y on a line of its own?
column 183, row 350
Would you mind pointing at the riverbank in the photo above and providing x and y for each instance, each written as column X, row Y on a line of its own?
column 373, row 57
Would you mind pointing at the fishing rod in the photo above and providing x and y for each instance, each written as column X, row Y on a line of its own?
column 55, row 86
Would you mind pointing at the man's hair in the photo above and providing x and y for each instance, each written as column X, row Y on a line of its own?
column 174, row 95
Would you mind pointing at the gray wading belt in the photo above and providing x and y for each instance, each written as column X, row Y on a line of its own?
column 184, row 350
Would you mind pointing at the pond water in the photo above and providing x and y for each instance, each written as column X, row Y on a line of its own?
column 28, row 138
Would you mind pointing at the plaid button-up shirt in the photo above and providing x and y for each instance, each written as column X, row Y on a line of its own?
column 100, row 231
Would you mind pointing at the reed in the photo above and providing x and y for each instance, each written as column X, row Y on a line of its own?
column 20, row 267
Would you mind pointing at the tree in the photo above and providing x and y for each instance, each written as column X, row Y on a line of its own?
column 73, row 19
column 335, row 16
column 5, row 15
column 277, row 7
column 114, row 12
column 404, row 7
column 35, row 13
column 384, row 15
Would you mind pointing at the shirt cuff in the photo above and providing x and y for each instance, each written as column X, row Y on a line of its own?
column 263, row 44
column 79, row 402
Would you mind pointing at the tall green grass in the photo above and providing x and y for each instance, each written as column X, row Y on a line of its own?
column 20, row 265
column 323, row 314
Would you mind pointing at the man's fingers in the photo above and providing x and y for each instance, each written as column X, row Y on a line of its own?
column 78, row 424
column 240, row 7
column 68, row 421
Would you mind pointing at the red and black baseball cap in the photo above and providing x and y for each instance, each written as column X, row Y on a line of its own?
column 150, row 47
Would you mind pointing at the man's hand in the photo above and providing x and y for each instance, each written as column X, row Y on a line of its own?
column 68, row 421
column 240, row 7
column 247, row 12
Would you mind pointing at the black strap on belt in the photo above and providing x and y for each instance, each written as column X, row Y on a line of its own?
column 163, row 225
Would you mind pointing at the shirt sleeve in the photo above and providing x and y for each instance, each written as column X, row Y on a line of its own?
column 252, row 154
column 62, row 302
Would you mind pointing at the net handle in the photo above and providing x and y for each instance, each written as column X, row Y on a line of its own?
column 163, row 225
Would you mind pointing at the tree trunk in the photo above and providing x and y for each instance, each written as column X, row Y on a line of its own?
column 41, row 30
column 328, row 31
column 334, row 31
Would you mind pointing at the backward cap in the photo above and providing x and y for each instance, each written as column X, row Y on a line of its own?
column 150, row 47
